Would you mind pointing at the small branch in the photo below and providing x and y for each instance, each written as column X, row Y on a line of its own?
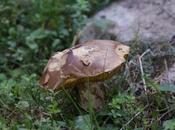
column 138, row 113
column 164, row 114
column 166, row 70
column 4, row 105
column 131, row 120
column 141, row 68
column 76, row 38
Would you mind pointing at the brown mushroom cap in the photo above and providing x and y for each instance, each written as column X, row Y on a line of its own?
column 93, row 60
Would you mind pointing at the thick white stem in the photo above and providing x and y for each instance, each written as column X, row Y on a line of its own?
column 92, row 96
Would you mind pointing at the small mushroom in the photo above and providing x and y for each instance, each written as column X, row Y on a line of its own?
column 89, row 62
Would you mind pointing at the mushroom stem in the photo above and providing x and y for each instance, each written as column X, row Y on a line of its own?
column 92, row 96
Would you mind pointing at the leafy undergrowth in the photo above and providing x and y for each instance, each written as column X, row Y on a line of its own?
column 24, row 105
column 31, row 31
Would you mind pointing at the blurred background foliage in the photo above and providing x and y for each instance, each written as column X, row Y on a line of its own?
column 31, row 30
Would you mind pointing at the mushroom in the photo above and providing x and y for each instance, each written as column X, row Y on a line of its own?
column 82, row 66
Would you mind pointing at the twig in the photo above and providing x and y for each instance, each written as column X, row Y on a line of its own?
column 164, row 114
column 131, row 120
column 166, row 70
column 76, row 38
column 141, row 68
column 11, row 113
column 105, row 121
column 138, row 113
column 4, row 105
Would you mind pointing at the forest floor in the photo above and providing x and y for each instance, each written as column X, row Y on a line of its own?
column 141, row 97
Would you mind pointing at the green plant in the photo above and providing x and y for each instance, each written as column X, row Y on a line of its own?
column 169, row 124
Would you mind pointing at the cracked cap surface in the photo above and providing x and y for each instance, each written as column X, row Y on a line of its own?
column 93, row 60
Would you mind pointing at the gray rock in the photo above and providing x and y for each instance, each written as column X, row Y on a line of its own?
column 148, row 20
